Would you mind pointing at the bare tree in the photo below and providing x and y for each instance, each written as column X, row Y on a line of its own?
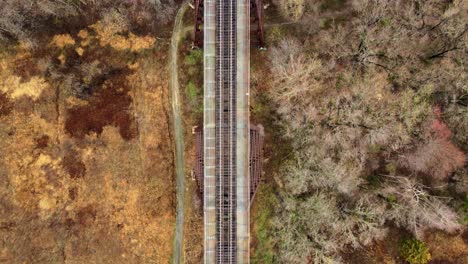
column 314, row 231
column 19, row 19
column 414, row 208
column 12, row 20
column 354, row 97
column 298, row 77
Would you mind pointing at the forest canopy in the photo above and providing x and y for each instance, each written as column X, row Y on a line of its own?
column 372, row 95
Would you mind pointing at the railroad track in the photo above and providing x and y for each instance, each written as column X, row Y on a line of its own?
column 226, row 131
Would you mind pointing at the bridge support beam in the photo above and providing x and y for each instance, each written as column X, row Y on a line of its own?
column 199, row 17
column 257, row 16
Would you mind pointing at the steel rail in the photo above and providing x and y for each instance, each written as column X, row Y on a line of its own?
column 226, row 131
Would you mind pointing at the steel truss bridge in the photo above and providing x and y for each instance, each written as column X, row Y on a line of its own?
column 226, row 161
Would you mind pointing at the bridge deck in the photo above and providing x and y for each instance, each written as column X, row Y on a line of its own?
column 226, row 131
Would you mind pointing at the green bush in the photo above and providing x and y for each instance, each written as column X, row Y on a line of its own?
column 374, row 181
column 194, row 63
column 414, row 251
column 375, row 148
column 465, row 210
column 265, row 200
column 195, row 57
column 385, row 22
column 192, row 92
column 275, row 34
column 391, row 168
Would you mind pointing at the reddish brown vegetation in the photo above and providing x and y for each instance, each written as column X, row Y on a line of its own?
column 439, row 157
column 438, row 127
column 87, row 215
column 447, row 249
column 26, row 67
column 108, row 106
column 42, row 142
column 5, row 105
column 73, row 164
column 72, row 193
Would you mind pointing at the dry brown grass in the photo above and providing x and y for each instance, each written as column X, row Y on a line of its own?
column 110, row 35
column 445, row 247
column 62, row 40
column 92, row 187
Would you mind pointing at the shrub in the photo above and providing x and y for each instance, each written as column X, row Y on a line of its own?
column 438, row 127
column 390, row 168
column 414, row 251
column 194, row 63
column 465, row 210
column 332, row 5
column 291, row 9
column 25, row 20
column 374, row 181
column 438, row 158
column 275, row 34
column 192, row 92
column 195, row 57
column 265, row 200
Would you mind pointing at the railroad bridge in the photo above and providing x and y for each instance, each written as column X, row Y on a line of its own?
column 229, row 148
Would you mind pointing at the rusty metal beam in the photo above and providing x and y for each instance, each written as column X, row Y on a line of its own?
column 258, row 26
column 198, row 31
column 255, row 164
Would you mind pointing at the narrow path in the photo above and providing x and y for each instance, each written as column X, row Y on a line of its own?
column 177, row 253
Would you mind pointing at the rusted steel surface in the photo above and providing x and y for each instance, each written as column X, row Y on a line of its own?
column 199, row 164
column 256, row 7
column 255, row 164
column 198, row 32
column 256, row 158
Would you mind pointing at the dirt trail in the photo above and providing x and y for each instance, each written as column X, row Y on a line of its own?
column 177, row 256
